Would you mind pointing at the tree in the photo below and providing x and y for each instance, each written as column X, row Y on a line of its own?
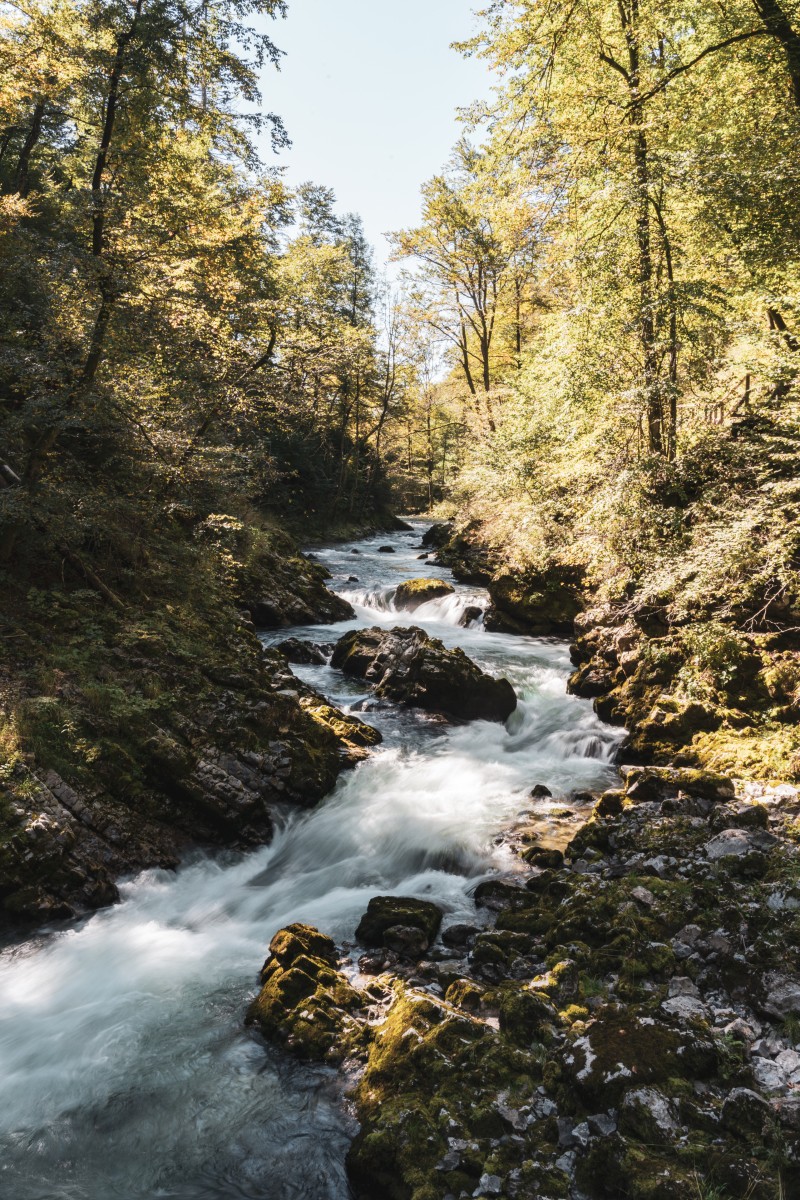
column 476, row 248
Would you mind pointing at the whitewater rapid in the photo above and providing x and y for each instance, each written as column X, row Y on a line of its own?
column 125, row 1069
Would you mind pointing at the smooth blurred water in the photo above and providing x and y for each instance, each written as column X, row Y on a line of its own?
column 125, row 1070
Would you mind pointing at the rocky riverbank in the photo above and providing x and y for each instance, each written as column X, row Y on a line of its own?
column 628, row 1025
column 622, row 1018
column 129, row 736
column 695, row 686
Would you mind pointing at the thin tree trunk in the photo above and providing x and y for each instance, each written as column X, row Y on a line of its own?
column 671, row 430
column 22, row 182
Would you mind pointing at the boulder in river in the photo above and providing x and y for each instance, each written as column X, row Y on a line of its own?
column 295, row 650
column 414, row 592
column 400, row 923
column 386, row 550
column 411, row 668
column 304, row 1000
column 438, row 535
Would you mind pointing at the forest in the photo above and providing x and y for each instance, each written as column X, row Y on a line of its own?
column 580, row 382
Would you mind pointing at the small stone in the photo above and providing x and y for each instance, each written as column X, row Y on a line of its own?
column 767, row 1047
column 458, row 936
column 685, row 1008
column 649, row 1115
column 782, row 995
column 602, row 1124
column 490, row 1185
column 643, row 896
column 661, row 865
column 681, row 985
column 744, row 1112
column 581, row 1135
column 768, row 1074
column 739, row 843
column 740, row 1030
column 789, row 1061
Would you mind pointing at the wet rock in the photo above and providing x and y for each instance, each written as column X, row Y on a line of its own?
column 415, row 592
column 386, row 913
column 407, row 941
column 386, row 550
column 538, row 856
column 496, row 895
column 540, row 792
column 305, row 1003
column 471, row 614
column 459, row 936
column 407, row 666
column 377, row 961
column 295, row 650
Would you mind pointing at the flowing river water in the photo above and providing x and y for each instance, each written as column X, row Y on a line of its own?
column 125, row 1069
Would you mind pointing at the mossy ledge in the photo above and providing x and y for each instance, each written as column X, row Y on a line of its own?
column 129, row 734
column 710, row 681
column 629, row 1026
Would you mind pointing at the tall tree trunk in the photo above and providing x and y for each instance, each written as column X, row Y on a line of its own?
column 641, row 161
column 779, row 25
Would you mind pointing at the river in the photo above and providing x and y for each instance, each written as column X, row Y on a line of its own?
column 125, row 1069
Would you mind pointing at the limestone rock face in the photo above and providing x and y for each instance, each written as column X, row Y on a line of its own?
column 283, row 587
column 407, row 666
column 212, row 774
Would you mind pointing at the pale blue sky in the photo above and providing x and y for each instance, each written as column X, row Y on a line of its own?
column 368, row 91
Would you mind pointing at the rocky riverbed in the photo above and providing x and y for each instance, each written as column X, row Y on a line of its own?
column 627, row 1025
column 619, row 1017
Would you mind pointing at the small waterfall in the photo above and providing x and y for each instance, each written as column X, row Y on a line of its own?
column 446, row 610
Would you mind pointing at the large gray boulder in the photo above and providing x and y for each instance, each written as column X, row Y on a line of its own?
column 411, row 668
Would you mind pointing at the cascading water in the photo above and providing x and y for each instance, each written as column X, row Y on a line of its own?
column 124, row 1067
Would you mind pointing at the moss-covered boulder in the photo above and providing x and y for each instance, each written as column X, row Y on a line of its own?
column 387, row 915
column 536, row 601
column 306, row 1004
column 415, row 592
column 409, row 667
column 620, row 1049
